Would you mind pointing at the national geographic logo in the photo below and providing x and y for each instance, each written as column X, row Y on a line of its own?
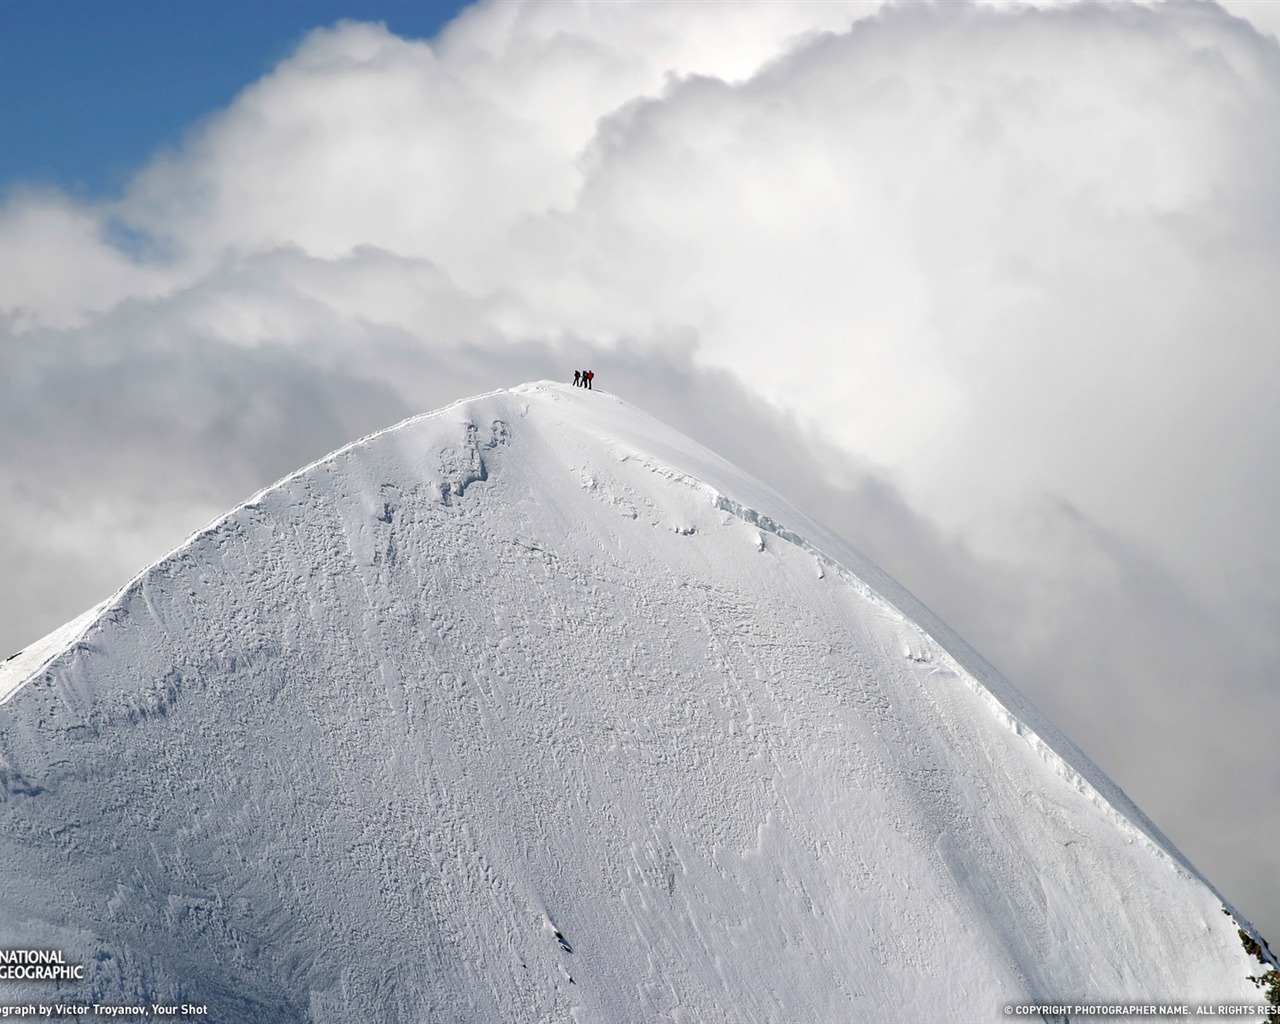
column 37, row 965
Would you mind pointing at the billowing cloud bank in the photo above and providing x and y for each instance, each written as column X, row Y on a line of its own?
column 1011, row 269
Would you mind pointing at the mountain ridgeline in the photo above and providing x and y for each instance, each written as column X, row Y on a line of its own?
column 531, row 709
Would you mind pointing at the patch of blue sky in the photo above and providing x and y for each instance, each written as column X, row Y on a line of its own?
column 89, row 89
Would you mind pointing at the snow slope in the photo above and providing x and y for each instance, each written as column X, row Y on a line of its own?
column 531, row 709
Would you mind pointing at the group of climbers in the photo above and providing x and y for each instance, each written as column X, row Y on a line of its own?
column 583, row 378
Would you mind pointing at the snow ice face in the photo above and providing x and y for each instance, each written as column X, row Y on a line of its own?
column 531, row 709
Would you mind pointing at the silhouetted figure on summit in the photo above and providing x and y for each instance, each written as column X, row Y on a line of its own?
column 590, row 375
column 577, row 378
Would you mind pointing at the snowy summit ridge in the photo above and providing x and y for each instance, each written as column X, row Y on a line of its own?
column 533, row 709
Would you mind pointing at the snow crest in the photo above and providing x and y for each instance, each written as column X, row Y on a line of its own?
column 531, row 709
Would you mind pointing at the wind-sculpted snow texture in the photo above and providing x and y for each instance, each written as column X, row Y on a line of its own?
column 533, row 710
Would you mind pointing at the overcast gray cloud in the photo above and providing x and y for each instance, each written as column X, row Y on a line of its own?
column 988, row 288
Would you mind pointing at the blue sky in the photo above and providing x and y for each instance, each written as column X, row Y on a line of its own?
column 89, row 88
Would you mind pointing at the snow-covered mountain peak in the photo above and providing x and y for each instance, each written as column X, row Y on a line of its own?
column 533, row 709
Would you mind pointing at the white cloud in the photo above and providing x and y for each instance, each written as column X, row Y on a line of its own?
column 1263, row 15
column 1010, row 268
column 980, row 219
column 58, row 263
